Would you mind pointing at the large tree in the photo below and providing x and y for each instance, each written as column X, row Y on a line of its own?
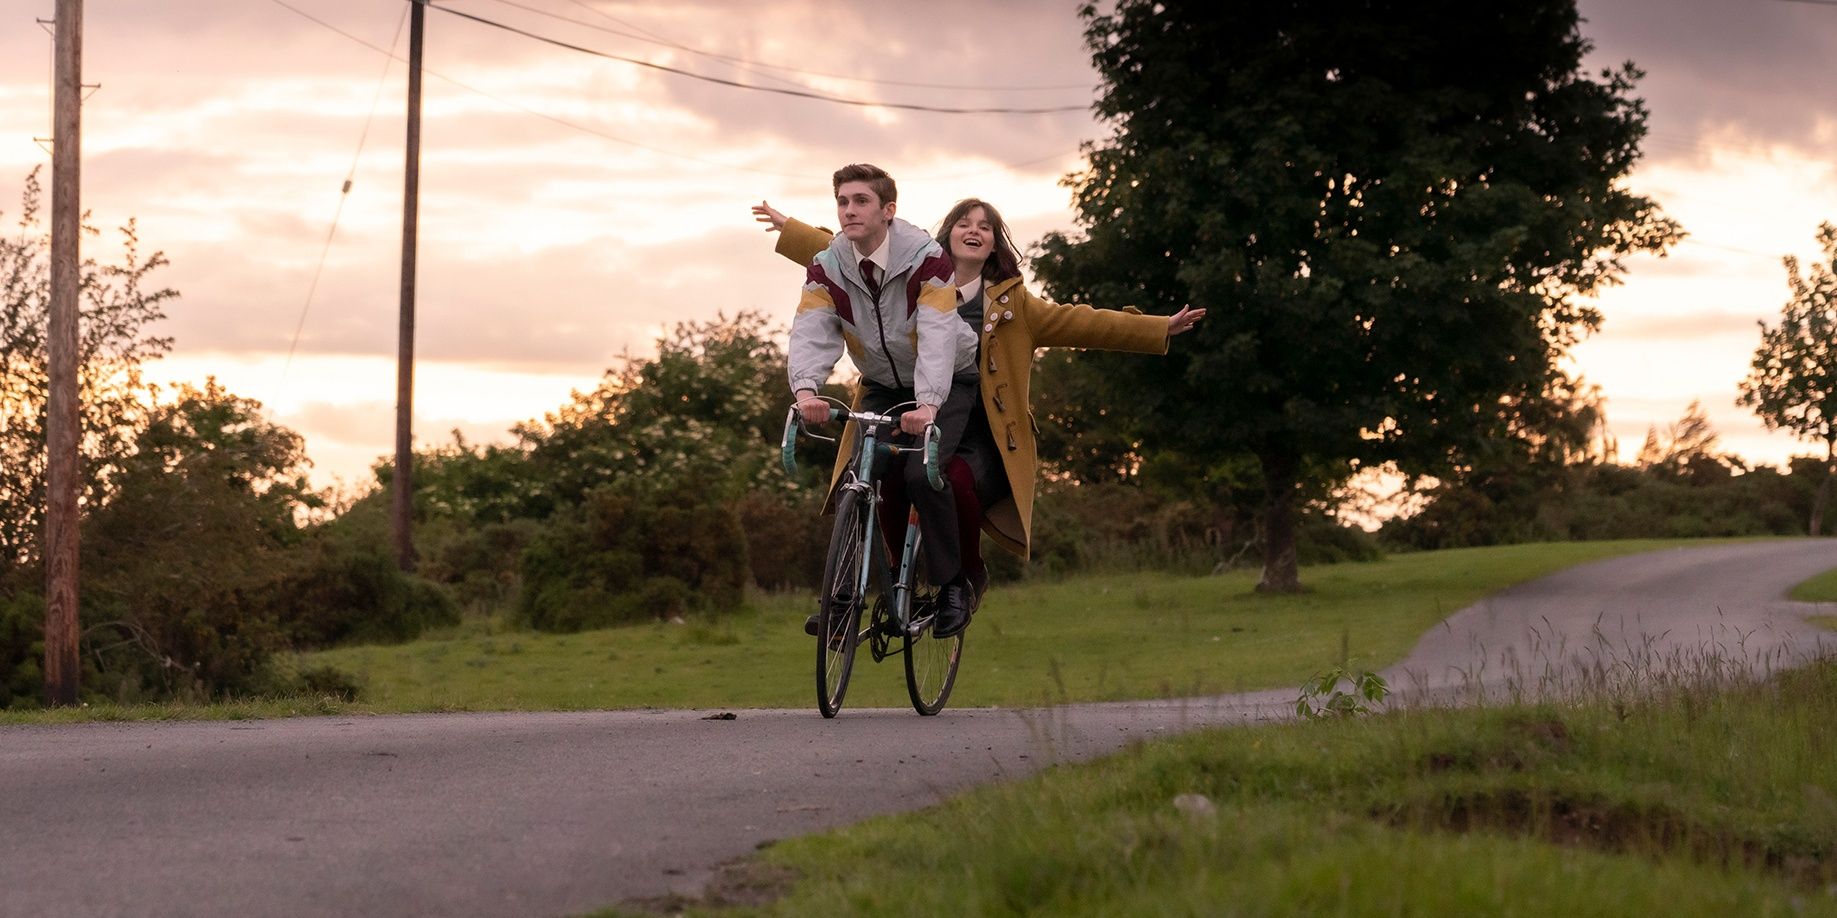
column 1793, row 383
column 1395, row 209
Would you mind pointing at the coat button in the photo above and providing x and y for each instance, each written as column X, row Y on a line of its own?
column 1007, row 315
column 1004, row 298
column 988, row 328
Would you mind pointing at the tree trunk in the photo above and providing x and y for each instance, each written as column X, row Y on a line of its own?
column 1824, row 488
column 1279, row 569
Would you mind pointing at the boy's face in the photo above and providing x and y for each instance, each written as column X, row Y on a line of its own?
column 864, row 219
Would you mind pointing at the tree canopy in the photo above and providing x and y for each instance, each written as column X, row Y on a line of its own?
column 117, row 305
column 1396, row 212
column 1793, row 381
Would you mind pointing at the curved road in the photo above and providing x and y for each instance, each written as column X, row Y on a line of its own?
column 495, row 814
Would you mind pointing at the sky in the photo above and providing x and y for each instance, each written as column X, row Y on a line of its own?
column 572, row 207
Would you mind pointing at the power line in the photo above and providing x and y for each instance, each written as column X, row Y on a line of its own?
column 389, row 53
column 819, row 97
column 648, row 34
column 1729, row 248
column 653, row 38
column 344, row 194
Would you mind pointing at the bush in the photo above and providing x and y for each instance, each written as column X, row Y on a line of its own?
column 477, row 563
column 348, row 589
column 1610, row 501
column 622, row 557
column 329, row 680
column 1119, row 527
column 22, row 649
column 786, row 538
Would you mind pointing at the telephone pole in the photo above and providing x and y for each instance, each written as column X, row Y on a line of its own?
column 403, row 502
column 62, row 422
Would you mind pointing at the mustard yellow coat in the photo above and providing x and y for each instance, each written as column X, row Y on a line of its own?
column 1016, row 324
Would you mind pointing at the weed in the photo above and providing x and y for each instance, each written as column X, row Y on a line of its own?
column 1321, row 696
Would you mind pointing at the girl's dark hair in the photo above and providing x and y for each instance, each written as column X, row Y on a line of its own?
column 1004, row 259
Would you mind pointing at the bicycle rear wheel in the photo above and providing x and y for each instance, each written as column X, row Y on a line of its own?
column 841, row 602
column 931, row 662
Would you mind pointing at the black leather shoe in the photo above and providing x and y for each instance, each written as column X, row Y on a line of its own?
column 813, row 625
column 956, row 602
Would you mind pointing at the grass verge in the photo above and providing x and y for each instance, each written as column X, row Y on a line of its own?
column 1088, row 638
column 1822, row 588
column 1698, row 802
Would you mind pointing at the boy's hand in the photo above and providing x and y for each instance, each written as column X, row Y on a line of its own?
column 814, row 410
column 915, row 421
column 766, row 214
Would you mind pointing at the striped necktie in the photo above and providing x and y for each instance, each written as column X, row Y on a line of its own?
column 867, row 275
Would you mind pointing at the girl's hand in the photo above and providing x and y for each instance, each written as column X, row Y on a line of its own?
column 766, row 214
column 1183, row 321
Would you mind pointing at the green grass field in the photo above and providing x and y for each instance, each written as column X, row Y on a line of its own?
column 1719, row 800
column 1085, row 638
column 1080, row 639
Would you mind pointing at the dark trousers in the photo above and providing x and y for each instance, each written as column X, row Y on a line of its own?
column 949, row 519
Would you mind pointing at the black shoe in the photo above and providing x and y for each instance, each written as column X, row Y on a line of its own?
column 956, row 603
column 813, row 625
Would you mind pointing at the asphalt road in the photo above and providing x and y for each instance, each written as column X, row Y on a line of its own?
column 544, row 814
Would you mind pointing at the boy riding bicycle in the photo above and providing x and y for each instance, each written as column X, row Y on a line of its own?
column 883, row 291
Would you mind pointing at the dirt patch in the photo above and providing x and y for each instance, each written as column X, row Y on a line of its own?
column 1621, row 827
column 745, row 883
column 1519, row 743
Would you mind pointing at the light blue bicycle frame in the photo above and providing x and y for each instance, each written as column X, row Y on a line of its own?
column 867, row 455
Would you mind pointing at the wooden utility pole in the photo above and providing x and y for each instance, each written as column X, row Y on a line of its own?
column 62, row 422
column 403, row 500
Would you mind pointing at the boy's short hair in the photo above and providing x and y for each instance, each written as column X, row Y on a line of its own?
column 875, row 177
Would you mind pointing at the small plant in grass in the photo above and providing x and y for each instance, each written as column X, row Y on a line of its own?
column 1322, row 696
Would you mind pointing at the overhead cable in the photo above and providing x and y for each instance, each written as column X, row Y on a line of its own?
column 712, row 55
column 344, row 193
column 671, row 154
column 819, row 97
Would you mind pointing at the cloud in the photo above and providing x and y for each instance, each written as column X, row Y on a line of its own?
column 1688, row 326
column 1721, row 73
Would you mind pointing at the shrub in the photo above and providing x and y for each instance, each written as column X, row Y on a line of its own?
column 347, row 588
column 786, row 538
column 622, row 557
column 22, row 649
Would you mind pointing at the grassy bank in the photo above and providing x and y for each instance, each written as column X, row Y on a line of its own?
column 1080, row 639
column 1700, row 803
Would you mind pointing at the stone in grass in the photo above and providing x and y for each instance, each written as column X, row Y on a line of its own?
column 1195, row 806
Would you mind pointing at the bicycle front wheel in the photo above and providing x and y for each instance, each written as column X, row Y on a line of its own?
column 841, row 602
column 931, row 662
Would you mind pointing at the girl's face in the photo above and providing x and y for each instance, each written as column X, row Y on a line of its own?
column 972, row 237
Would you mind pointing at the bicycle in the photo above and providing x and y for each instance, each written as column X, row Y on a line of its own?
column 904, row 606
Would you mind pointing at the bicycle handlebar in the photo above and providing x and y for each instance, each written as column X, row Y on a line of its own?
column 793, row 419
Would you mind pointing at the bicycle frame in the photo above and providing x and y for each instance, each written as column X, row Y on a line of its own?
column 862, row 479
